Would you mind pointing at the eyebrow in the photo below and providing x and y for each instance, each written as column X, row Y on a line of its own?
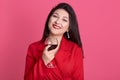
column 63, row 16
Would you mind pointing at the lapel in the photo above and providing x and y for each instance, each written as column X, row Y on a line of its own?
column 64, row 50
column 64, row 46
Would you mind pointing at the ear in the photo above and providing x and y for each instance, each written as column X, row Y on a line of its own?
column 67, row 30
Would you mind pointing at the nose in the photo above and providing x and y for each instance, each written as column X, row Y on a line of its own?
column 58, row 21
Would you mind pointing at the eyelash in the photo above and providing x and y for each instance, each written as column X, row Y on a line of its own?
column 55, row 16
column 64, row 20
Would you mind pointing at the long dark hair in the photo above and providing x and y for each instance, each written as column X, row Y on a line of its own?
column 73, row 25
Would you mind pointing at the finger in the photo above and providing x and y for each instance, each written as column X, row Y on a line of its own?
column 47, row 46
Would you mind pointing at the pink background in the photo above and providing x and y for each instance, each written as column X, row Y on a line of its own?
column 22, row 22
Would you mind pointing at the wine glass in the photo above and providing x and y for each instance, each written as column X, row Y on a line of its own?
column 53, row 42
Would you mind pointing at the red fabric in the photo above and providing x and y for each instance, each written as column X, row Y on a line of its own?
column 67, row 64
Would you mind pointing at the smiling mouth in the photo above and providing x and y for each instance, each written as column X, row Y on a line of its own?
column 56, row 26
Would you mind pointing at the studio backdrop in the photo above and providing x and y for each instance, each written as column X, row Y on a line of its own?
column 22, row 22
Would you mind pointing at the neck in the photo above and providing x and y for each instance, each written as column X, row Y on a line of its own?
column 59, row 38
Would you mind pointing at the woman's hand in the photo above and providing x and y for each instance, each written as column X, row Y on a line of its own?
column 48, row 56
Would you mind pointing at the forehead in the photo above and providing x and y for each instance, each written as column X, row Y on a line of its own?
column 61, row 12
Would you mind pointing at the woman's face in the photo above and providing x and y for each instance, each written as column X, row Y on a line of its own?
column 59, row 22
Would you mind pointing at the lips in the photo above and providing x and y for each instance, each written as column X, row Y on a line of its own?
column 56, row 26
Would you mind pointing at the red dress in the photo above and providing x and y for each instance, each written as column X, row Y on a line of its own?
column 67, row 64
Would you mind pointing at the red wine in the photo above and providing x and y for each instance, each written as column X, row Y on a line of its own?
column 52, row 47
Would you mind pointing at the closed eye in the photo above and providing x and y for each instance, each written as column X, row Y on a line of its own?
column 54, row 15
column 65, row 20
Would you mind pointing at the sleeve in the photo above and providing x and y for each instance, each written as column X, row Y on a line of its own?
column 78, row 73
column 34, row 65
column 35, row 69
column 30, row 62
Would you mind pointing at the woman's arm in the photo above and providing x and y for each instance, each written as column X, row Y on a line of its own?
column 78, row 73
column 29, row 66
column 35, row 68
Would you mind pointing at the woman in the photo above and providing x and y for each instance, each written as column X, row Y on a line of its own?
column 65, row 61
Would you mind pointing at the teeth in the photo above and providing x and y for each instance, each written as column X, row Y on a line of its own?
column 55, row 26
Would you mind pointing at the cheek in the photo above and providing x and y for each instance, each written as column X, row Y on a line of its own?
column 66, row 26
column 49, row 23
column 64, row 29
column 51, row 20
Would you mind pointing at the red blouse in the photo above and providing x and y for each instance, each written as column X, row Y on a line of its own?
column 67, row 64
